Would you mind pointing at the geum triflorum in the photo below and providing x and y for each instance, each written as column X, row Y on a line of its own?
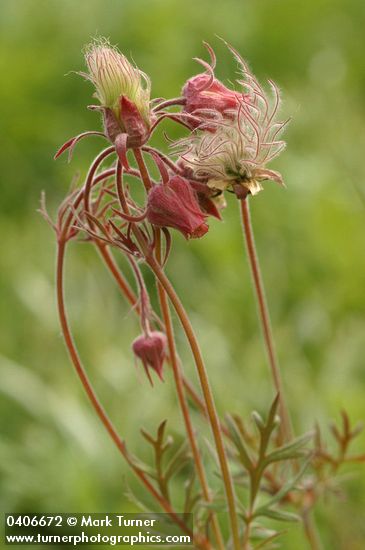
column 232, row 136
column 239, row 133
column 183, row 200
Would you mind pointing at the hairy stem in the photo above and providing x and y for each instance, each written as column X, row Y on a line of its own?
column 208, row 396
column 95, row 401
column 285, row 426
column 170, row 103
column 166, row 316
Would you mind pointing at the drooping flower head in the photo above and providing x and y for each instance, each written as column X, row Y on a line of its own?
column 151, row 349
column 208, row 98
column 175, row 204
column 122, row 89
column 234, row 156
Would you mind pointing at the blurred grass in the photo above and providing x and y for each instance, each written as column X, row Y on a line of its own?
column 55, row 456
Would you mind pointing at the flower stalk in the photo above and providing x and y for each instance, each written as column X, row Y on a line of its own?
column 179, row 383
column 208, row 397
column 100, row 411
column 264, row 316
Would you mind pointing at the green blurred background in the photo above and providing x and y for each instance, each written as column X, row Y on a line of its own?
column 54, row 454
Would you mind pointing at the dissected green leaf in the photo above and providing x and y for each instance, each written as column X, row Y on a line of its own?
column 239, row 443
column 140, row 465
column 191, row 498
column 148, row 437
column 135, row 500
column 161, row 432
column 270, row 539
column 248, row 438
column 289, row 451
column 357, row 430
column 257, row 418
column 218, row 505
column 279, row 515
column 287, row 487
column 259, row 532
column 177, row 462
column 267, row 428
column 272, row 417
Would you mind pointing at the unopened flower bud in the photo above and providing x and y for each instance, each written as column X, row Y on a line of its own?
column 175, row 204
column 151, row 349
column 206, row 97
column 123, row 91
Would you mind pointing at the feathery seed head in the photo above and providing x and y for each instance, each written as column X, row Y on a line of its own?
column 235, row 151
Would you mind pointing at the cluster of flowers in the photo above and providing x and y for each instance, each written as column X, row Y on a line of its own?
column 232, row 136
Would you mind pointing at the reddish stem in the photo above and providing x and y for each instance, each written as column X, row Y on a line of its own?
column 208, row 396
column 118, row 276
column 285, row 426
column 178, row 377
column 170, row 103
column 95, row 401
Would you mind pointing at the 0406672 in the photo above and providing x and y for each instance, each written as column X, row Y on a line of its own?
column 33, row 521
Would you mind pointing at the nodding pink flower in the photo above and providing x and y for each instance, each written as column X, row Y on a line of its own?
column 175, row 204
column 206, row 97
column 123, row 91
column 151, row 349
column 210, row 201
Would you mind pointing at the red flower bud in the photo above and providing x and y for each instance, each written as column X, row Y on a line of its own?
column 151, row 350
column 175, row 204
column 202, row 93
column 129, row 122
column 134, row 124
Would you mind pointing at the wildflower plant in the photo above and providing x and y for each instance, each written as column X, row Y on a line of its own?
column 266, row 472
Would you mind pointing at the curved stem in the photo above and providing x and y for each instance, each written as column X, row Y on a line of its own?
column 91, row 174
column 152, row 151
column 85, row 191
column 170, row 103
column 95, row 401
column 177, row 371
column 132, row 299
column 286, row 428
column 142, row 169
column 208, row 396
